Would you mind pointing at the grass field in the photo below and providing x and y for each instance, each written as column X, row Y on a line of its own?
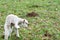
column 46, row 26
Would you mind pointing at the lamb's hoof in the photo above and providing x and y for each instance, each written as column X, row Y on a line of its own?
column 17, row 38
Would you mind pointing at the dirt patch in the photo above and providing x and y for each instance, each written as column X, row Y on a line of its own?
column 47, row 34
column 32, row 14
column 35, row 6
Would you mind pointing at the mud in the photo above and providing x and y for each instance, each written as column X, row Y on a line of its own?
column 32, row 14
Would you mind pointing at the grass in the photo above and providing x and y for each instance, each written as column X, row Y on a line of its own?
column 48, row 19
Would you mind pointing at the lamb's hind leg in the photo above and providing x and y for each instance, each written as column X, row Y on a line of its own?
column 7, row 32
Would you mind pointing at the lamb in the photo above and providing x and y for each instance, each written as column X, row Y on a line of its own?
column 17, row 22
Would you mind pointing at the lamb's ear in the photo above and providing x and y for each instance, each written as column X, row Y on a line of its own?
column 23, row 21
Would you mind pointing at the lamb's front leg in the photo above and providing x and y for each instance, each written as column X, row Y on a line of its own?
column 17, row 32
column 16, row 29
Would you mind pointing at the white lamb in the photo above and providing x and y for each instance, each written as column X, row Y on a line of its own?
column 13, row 19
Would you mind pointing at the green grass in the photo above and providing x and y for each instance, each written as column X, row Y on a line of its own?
column 48, row 19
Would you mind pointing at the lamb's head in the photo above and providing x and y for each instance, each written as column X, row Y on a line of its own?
column 24, row 23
